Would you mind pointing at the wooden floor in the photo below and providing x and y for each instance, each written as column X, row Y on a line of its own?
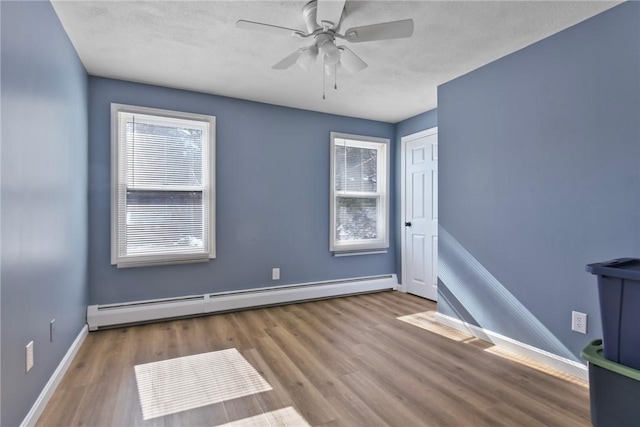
column 339, row 362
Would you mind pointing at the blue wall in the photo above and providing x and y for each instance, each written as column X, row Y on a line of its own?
column 539, row 175
column 406, row 127
column 44, row 199
column 272, row 197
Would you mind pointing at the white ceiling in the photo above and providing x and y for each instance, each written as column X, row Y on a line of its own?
column 195, row 45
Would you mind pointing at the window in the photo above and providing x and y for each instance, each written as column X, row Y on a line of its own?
column 359, row 193
column 162, row 188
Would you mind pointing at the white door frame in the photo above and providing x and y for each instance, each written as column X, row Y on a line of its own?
column 403, row 186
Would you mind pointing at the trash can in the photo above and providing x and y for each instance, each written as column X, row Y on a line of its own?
column 619, row 291
column 614, row 390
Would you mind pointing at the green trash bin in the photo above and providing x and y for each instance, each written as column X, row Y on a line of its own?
column 614, row 390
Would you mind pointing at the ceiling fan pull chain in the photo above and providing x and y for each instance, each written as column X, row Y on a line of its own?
column 335, row 76
column 323, row 80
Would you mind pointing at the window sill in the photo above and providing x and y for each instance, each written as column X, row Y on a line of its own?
column 149, row 263
column 361, row 252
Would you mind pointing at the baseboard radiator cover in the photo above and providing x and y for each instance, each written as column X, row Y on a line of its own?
column 543, row 357
column 110, row 315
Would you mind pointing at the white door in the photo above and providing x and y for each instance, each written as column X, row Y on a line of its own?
column 420, row 249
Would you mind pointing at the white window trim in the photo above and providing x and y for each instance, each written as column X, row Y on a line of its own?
column 160, row 259
column 361, row 246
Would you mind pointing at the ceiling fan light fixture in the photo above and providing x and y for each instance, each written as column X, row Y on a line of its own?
column 350, row 61
column 307, row 58
column 331, row 53
column 329, row 70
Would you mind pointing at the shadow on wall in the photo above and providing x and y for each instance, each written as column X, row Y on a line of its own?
column 478, row 298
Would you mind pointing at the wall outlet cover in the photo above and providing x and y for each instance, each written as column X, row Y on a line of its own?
column 579, row 322
column 275, row 274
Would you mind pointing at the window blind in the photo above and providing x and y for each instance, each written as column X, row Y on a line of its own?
column 356, row 168
column 164, row 194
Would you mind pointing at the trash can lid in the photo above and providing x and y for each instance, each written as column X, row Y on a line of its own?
column 624, row 268
column 593, row 354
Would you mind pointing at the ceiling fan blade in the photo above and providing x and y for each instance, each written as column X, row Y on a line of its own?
column 385, row 31
column 350, row 61
column 288, row 61
column 268, row 28
column 329, row 12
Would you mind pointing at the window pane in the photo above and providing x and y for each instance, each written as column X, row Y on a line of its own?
column 165, row 156
column 356, row 218
column 161, row 221
column 356, row 169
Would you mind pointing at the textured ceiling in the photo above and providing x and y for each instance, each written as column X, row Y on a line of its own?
column 195, row 45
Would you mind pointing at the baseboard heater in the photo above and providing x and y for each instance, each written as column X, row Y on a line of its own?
column 110, row 315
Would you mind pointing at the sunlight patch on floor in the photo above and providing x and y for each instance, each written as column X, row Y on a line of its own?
column 285, row 417
column 426, row 320
column 535, row 365
column 189, row 382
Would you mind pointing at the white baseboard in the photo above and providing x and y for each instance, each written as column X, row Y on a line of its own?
column 41, row 402
column 99, row 316
column 543, row 357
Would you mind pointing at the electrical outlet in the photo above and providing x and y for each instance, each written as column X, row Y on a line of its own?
column 29, row 356
column 579, row 322
column 275, row 274
column 52, row 329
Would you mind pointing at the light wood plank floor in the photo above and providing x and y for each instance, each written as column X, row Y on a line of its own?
column 339, row 362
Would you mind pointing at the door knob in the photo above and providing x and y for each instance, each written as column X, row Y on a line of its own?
column 407, row 224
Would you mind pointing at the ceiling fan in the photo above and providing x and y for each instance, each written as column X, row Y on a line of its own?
column 323, row 19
